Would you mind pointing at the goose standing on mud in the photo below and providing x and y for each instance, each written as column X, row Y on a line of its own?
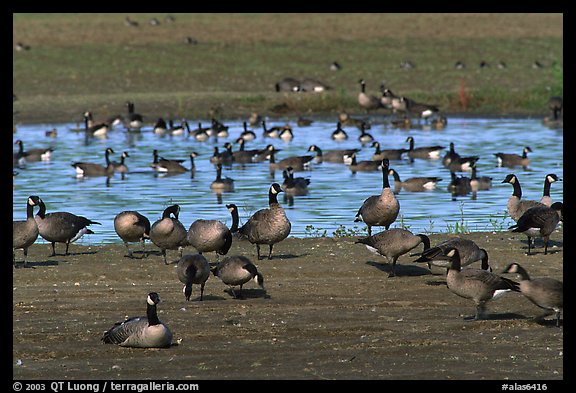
column 61, row 227
column 380, row 210
column 467, row 249
column 193, row 269
column 141, row 332
column 539, row 221
column 267, row 226
column 212, row 235
column 25, row 233
column 237, row 270
column 131, row 226
column 516, row 205
column 169, row 233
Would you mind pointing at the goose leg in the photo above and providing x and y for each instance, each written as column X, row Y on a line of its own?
column 258, row 251
column 202, row 291
column 529, row 243
column 270, row 253
column 480, row 309
column 129, row 252
column 67, row 245
column 144, row 254
column 393, row 271
column 164, row 255
column 53, row 249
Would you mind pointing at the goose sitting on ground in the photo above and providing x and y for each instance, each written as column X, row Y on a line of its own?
column 25, row 232
column 91, row 169
column 131, row 226
column 414, row 184
column 211, row 235
column 141, row 332
column 193, row 269
column 267, row 226
column 393, row 243
column 61, row 227
column 380, row 210
column 237, row 270
column 545, row 292
column 478, row 285
column 169, row 233
column 539, row 221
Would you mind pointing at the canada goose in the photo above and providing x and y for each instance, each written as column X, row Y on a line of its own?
column 339, row 134
column 200, row 133
column 212, row 235
column 247, row 135
column 121, row 166
column 264, row 154
column 131, row 226
column 403, row 123
column 400, row 104
column 364, row 165
column 459, row 65
column 299, row 163
column 439, row 122
column 227, row 155
column 287, row 84
column 53, row 133
column 364, row 136
column 61, row 227
column 91, row 169
column 160, row 128
column 456, row 163
column 237, row 270
column 134, row 121
column 421, row 110
column 168, row 233
column 273, row 132
column 255, row 119
column 545, row 292
column 193, row 269
column 335, row 66
column 459, row 185
column 393, row 243
column 346, row 120
column 294, row 186
column 267, row 226
column 163, row 165
column 233, row 209
column 380, row 210
column 177, row 130
column 243, row 156
column 478, row 285
column 516, row 205
column 32, row 155
column 365, row 100
column 539, row 221
column 141, row 332
column 286, row 134
column 25, row 233
column 94, row 129
column 479, row 182
column 303, row 122
column 512, row 160
column 468, row 251
column 387, row 97
column 313, row 85
column 414, row 184
column 130, row 22
column 556, row 105
column 218, row 129
column 222, row 184
column 331, row 155
column 426, row 152
column 548, row 180
column 391, row 154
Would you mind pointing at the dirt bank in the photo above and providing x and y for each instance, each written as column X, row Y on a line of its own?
column 330, row 312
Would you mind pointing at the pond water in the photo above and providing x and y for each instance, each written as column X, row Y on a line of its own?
column 335, row 193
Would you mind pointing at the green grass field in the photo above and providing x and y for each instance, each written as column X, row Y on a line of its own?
column 79, row 62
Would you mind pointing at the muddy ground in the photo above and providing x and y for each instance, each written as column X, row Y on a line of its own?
column 329, row 312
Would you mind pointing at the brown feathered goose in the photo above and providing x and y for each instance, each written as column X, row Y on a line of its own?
column 211, row 235
column 516, row 205
column 168, row 233
column 512, row 160
column 25, row 233
column 32, row 155
column 539, row 221
column 414, row 184
column 91, row 169
column 132, row 226
column 391, row 154
column 380, row 210
column 467, row 249
column 237, row 270
column 193, row 269
column 61, row 227
column 267, row 226
column 425, row 152
column 336, row 155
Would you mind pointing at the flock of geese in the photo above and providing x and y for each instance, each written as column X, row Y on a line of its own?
column 270, row 225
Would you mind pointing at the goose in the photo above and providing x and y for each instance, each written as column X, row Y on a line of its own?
column 468, row 251
column 273, row 132
column 339, row 134
column 364, row 136
column 193, row 269
column 393, row 243
column 91, row 169
column 168, row 233
column 516, row 205
column 132, row 226
column 335, row 66
column 556, row 105
column 512, row 160
column 303, row 122
column 425, row 152
column 227, row 155
column 218, row 129
column 95, row 129
column 212, row 235
column 264, row 154
column 414, row 184
column 254, row 120
column 380, row 210
column 233, row 209
column 294, row 186
column 32, row 155
column 391, row 154
column 160, row 128
column 141, row 332
column 237, row 270
column 387, row 97
column 222, row 184
column 267, row 226
column 455, row 163
column 25, row 232
column 364, row 165
column 177, row 130
column 539, row 221
column 548, row 180
column 200, row 133
column 53, row 133
column 331, row 155
column 479, row 182
column 287, row 84
column 286, row 134
column 439, row 122
column 134, row 121
column 313, row 85
column 61, row 227
column 121, row 166
column 247, row 135
column 459, row 185
column 366, row 101
column 478, row 285
column 421, row 110
column 545, row 292
column 298, row 163
column 243, row 156
column 171, row 166
column 346, row 120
